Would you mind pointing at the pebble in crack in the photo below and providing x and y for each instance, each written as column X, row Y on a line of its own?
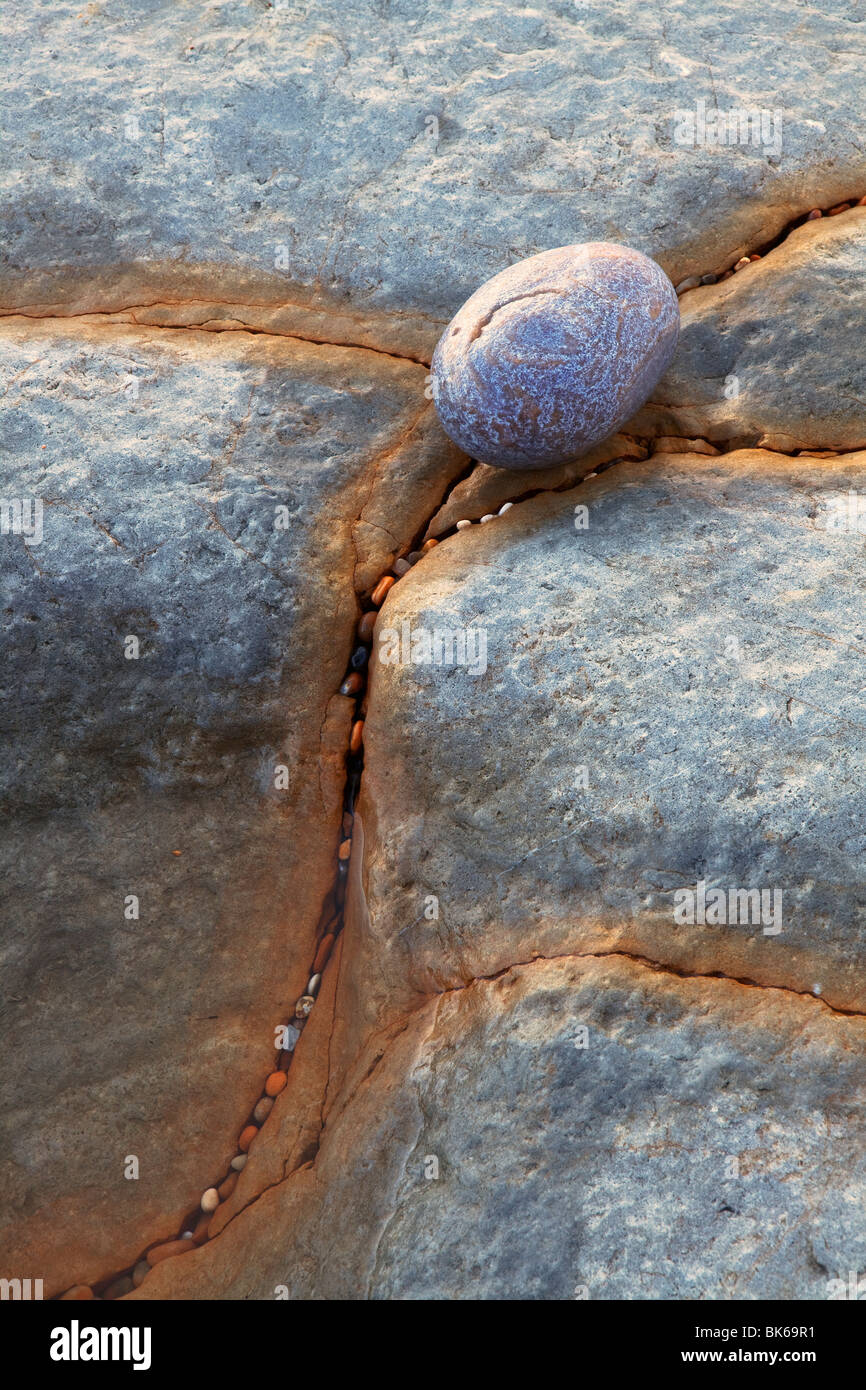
column 554, row 354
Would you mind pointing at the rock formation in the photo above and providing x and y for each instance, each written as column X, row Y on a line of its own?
column 535, row 1066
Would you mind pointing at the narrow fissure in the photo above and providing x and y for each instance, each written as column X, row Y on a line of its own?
column 693, row 282
column 194, row 1229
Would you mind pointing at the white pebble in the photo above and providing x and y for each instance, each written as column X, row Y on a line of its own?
column 313, row 985
column 239, row 1162
column 210, row 1200
column 491, row 516
column 187, row 1235
column 401, row 567
column 506, row 507
column 462, row 525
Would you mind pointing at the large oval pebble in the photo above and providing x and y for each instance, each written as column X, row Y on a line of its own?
column 554, row 354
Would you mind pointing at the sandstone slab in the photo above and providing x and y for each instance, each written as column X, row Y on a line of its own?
column 269, row 164
column 670, row 693
column 215, row 498
column 754, row 364
column 578, row 1128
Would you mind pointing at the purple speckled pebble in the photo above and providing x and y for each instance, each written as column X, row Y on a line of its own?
column 554, row 354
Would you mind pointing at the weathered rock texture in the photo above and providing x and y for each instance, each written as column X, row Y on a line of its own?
column 771, row 357
column 162, row 458
column 285, row 167
column 700, row 1139
column 672, row 693
column 700, row 1145
column 486, row 488
column 171, row 172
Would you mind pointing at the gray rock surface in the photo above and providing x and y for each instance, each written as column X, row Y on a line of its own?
column 355, row 172
column 702, row 1142
column 705, row 1144
column 161, row 459
column 671, row 694
column 754, row 365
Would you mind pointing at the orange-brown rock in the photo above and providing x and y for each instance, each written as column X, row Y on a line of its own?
column 168, row 1251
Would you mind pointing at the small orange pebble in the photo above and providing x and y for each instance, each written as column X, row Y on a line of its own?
column 275, row 1083
column 227, row 1186
column 428, row 545
column 165, row 1252
column 816, row 212
column 365, row 627
column 345, row 850
column 247, row 1135
column 357, row 736
column 177, row 851
column 862, row 202
column 754, row 257
column 840, row 207
column 326, row 945
column 387, row 582
column 353, row 684
column 76, row 1293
